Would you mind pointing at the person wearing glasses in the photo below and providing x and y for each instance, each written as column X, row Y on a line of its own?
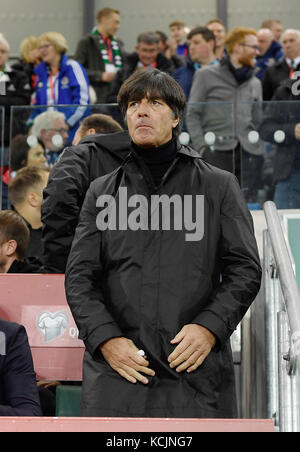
column 61, row 81
column 228, row 126
column 51, row 129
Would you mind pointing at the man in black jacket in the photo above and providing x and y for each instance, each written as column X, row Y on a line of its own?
column 286, row 67
column 18, row 389
column 101, row 53
column 146, row 56
column 163, row 267
column 281, row 127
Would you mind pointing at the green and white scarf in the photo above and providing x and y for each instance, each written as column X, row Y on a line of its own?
column 117, row 61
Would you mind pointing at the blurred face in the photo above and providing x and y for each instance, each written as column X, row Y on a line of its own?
column 36, row 156
column 249, row 51
column 277, row 31
column 291, row 45
column 111, row 24
column 178, row 33
column 48, row 52
column 34, row 56
column 219, row 32
column 39, row 189
column 265, row 39
column 56, row 137
column 150, row 122
column 200, row 50
column 3, row 54
column 147, row 53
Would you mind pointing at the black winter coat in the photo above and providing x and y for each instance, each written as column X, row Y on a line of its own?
column 69, row 180
column 273, row 78
column 147, row 284
column 283, row 114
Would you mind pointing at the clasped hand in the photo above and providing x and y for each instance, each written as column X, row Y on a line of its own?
column 193, row 345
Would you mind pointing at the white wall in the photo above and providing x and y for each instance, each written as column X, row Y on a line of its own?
column 21, row 18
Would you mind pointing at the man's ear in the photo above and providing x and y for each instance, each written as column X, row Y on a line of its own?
column 91, row 132
column 32, row 199
column 11, row 247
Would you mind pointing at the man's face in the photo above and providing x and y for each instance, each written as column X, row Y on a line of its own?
column 291, row 45
column 200, row 50
column 3, row 55
column 147, row 53
column 277, row 31
column 178, row 33
column 59, row 128
column 150, row 122
column 36, row 156
column 111, row 24
column 39, row 189
column 249, row 51
column 265, row 40
column 219, row 32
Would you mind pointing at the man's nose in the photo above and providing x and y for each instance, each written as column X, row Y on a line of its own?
column 143, row 109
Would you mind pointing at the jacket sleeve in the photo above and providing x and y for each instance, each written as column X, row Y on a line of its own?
column 20, row 390
column 240, row 267
column 62, row 201
column 195, row 110
column 83, row 281
column 81, row 55
column 79, row 85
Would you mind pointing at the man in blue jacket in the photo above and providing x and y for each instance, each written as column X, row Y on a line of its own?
column 202, row 43
column 270, row 51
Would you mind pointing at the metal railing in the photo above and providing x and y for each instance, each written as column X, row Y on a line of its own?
column 282, row 314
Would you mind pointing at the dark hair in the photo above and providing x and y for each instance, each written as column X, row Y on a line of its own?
column 148, row 37
column 101, row 123
column 154, row 84
column 206, row 33
column 29, row 177
column 18, row 151
column 162, row 36
column 13, row 227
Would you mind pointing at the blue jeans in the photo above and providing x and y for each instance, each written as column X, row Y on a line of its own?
column 287, row 192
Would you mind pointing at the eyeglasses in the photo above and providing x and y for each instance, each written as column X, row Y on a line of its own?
column 252, row 47
column 45, row 46
column 61, row 131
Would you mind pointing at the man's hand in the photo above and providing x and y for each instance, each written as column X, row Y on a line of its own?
column 122, row 355
column 108, row 76
column 297, row 132
column 195, row 344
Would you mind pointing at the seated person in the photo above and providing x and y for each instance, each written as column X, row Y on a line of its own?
column 96, row 123
column 18, row 389
column 26, row 195
column 26, row 151
column 51, row 128
column 14, row 240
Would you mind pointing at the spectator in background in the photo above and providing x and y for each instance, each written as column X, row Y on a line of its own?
column 61, row 81
column 286, row 67
column 234, row 82
column 178, row 34
column 14, row 240
column 51, row 128
column 26, row 151
column 94, row 124
column 146, row 56
column 30, row 57
column 15, row 86
column 26, row 195
column 202, row 44
column 169, row 50
column 101, row 53
column 18, row 389
column 275, row 26
column 270, row 52
column 219, row 30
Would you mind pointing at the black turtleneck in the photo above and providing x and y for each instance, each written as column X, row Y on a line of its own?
column 159, row 159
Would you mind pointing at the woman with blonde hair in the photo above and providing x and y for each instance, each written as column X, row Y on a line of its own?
column 61, row 80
